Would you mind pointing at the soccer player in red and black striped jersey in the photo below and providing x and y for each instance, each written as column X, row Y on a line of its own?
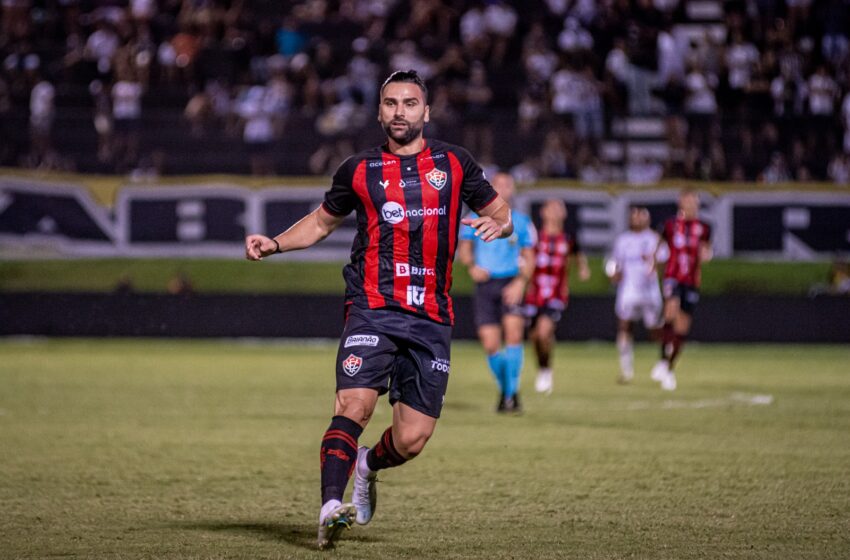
column 548, row 291
column 408, row 195
column 689, row 242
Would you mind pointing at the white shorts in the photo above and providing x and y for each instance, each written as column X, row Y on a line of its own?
column 631, row 308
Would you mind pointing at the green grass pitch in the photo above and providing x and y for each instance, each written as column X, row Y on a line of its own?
column 168, row 449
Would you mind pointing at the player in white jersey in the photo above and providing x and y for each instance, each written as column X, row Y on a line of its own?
column 631, row 267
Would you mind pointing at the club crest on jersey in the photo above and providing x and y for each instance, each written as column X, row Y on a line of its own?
column 351, row 365
column 436, row 178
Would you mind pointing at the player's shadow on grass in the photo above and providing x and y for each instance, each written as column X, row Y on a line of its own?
column 300, row 535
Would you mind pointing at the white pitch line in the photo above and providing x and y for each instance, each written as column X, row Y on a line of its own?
column 733, row 399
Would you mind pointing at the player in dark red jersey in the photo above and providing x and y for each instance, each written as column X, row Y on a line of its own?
column 408, row 197
column 689, row 241
column 548, row 291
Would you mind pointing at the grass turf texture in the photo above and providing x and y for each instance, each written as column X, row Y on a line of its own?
column 239, row 276
column 160, row 449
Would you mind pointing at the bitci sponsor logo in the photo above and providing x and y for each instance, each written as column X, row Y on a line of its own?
column 361, row 340
column 404, row 269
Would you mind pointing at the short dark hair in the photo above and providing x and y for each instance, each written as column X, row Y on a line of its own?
column 407, row 76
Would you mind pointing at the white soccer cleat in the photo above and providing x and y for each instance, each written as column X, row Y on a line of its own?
column 334, row 517
column 543, row 383
column 659, row 371
column 626, row 377
column 365, row 495
column 669, row 381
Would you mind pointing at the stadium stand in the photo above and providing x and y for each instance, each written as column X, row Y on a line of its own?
column 616, row 90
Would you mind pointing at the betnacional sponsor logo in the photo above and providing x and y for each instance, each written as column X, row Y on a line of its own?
column 436, row 178
column 441, row 364
column 351, row 365
column 393, row 213
column 361, row 340
column 404, row 269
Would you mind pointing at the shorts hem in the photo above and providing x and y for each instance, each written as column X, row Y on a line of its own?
column 381, row 390
column 416, row 407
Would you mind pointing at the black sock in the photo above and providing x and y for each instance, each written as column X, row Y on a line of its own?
column 667, row 336
column 384, row 455
column 678, row 342
column 338, row 456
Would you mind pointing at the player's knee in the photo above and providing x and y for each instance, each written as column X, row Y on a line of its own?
column 355, row 409
column 411, row 442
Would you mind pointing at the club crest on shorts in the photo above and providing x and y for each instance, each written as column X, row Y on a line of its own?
column 436, row 178
column 351, row 365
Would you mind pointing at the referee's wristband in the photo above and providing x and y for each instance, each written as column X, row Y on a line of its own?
column 276, row 245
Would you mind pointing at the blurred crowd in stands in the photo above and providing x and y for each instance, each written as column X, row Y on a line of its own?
column 622, row 90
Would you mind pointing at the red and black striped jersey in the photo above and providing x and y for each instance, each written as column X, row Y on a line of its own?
column 550, row 281
column 684, row 238
column 408, row 215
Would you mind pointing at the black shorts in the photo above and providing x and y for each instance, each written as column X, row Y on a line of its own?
column 489, row 308
column 688, row 295
column 391, row 351
column 553, row 309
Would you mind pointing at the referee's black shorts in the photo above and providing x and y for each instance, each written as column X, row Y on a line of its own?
column 489, row 308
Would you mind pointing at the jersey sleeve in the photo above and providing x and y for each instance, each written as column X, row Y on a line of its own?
column 476, row 190
column 340, row 199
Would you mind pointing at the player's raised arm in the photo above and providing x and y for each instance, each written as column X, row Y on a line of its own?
column 308, row 231
column 493, row 221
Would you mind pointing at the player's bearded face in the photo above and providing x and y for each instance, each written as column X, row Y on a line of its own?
column 403, row 112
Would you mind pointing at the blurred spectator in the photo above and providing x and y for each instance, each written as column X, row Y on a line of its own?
column 839, row 169
column 574, row 38
column 845, row 117
column 593, row 173
column 500, row 20
column 838, row 280
column 102, row 120
column 553, row 157
column 765, row 77
column 256, row 107
column 180, row 285
column 776, row 171
column 477, row 131
column 643, row 172
column 700, row 111
column 42, row 113
column 126, row 118
column 589, row 118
